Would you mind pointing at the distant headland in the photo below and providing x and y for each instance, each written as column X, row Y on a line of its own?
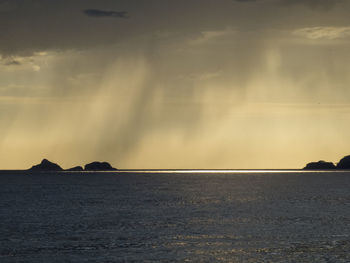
column 46, row 165
column 343, row 164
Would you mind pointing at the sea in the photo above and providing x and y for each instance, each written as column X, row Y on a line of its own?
column 175, row 216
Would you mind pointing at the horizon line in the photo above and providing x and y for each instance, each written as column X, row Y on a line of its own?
column 184, row 171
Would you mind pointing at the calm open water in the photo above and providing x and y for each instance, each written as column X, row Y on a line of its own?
column 175, row 217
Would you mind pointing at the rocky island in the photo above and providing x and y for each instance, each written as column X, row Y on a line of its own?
column 99, row 166
column 75, row 169
column 320, row 165
column 46, row 165
column 343, row 164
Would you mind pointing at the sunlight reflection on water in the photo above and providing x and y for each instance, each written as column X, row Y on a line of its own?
column 230, row 171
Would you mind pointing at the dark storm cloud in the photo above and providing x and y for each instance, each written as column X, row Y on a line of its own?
column 103, row 13
column 28, row 26
column 7, row 6
column 143, row 77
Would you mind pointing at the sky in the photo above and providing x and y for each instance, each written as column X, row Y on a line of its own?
column 210, row 84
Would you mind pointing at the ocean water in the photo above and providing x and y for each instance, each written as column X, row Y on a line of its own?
column 237, row 216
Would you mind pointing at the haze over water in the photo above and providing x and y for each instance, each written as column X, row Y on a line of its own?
column 174, row 217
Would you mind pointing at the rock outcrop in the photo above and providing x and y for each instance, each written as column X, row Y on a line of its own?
column 344, row 163
column 320, row 165
column 46, row 165
column 75, row 169
column 99, row 166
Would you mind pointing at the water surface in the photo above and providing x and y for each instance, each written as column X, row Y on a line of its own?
column 240, row 216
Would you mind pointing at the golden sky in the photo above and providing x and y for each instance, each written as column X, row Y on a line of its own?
column 174, row 84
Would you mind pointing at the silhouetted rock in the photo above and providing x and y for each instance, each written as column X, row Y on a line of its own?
column 46, row 165
column 320, row 165
column 75, row 169
column 99, row 166
column 344, row 163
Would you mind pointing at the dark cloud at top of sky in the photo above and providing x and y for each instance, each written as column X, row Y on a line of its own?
column 103, row 13
column 30, row 26
column 6, row 6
